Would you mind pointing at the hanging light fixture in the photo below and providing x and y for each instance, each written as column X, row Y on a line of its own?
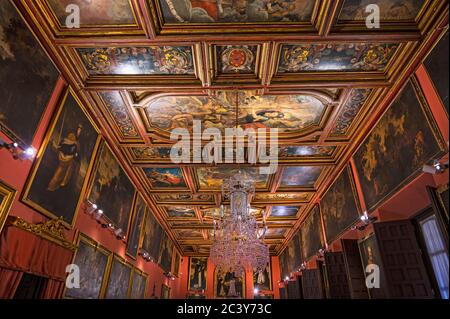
column 238, row 239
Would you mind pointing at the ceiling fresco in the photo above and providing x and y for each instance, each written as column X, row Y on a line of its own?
column 310, row 69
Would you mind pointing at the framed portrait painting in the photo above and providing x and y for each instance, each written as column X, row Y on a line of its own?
column 27, row 75
column 59, row 176
column 93, row 261
column 138, row 284
column 134, row 237
column 152, row 235
column 340, row 206
column 395, row 151
column 227, row 285
column 311, row 234
column 7, row 195
column 118, row 279
column 165, row 292
column 370, row 255
column 166, row 253
column 262, row 280
column 111, row 189
column 198, row 272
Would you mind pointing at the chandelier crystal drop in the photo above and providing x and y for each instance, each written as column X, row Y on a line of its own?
column 238, row 238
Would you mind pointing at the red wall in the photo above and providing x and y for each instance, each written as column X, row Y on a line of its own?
column 15, row 173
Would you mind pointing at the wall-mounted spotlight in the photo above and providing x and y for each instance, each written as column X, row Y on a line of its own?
column 366, row 221
column 436, row 168
column 145, row 255
column 170, row 276
column 255, row 291
column 18, row 152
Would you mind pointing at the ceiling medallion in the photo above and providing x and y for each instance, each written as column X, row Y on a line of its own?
column 238, row 240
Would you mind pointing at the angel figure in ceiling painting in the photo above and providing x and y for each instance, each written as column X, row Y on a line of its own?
column 234, row 11
column 284, row 112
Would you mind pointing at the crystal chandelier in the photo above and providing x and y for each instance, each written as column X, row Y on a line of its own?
column 238, row 239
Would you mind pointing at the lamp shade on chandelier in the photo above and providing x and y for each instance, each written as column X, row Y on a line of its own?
column 238, row 238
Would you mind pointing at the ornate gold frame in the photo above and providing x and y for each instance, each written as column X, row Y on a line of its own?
column 41, row 152
column 347, row 170
column 7, row 195
column 80, row 237
column 140, row 273
column 123, row 261
column 244, row 284
column 270, row 275
column 189, row 272
column 102, row 145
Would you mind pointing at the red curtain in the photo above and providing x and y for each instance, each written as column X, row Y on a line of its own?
column 9, row 281
column 53, row 290
column 22, row 251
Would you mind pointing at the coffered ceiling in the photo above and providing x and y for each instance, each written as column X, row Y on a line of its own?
column 312, row 69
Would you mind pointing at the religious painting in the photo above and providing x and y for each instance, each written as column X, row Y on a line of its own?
column 284, row 211
column 119, row 279
column 180, row 212
column 152, row 236
column 151, row 60
column 151, row 153
column 60, row 174
column 92, row 261
column 138, row 285
column 262, row 280
column 438, row 74
column 134, row 237
column 284, row 264
column 311, row 234
column 20, row 113
column 228, row 285
column 165, row 253
column 403, row 141
column 300, row 176
column 306, row 151
column 275, row 232
column 287, row 113
column 350, row 110
column 96, row 13
column 112, row 190
column 390, row 10
column 340, row 206
column 176, row 264
column 236, row 59
column 198, row 272
column 172, row 198
column 277, row 198
column 120, row 114
column 7, row 195
column 212, row 178
column 189, row 234
column 335, row 57
column 236, row 11
column 370, row 255
column 171, row 112
column 165, row 292
column 165, row 177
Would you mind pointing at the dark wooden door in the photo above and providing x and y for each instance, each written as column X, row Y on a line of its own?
column 354, row 269
column 405, row 272
column 312, row 284
column 292, row 289
column 283, row 293
column 300, row 289
column 336, row 275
